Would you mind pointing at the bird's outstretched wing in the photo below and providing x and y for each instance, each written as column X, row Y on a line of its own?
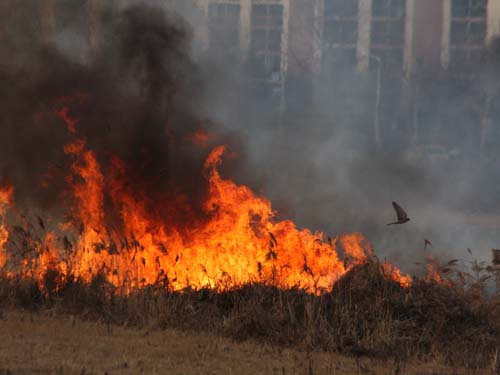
column 399, row 212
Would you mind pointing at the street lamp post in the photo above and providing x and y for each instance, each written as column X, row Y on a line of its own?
column 376, row 120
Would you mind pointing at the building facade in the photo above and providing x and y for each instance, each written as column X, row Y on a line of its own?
column 297, row 37
column 251, row 32
column 468, row 26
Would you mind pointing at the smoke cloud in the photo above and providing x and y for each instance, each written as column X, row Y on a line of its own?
column 146, row 85
column 135, row 93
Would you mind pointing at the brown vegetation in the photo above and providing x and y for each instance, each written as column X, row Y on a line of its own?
column 43, row 344
column 366, row 315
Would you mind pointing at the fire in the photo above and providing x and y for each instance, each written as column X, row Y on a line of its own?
column 394, row 273
column 5, row 201
column 89, row 196
column 70, row 122
column 435, row 271
column 199, row 138
column 236, row 241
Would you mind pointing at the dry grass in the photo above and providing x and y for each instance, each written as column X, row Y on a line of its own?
column 43, row 344
column 365, row 316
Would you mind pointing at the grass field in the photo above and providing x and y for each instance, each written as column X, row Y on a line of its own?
column 368, row 324
column 43, row 344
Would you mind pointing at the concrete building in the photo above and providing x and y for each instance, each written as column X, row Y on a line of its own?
column 293, row 37
column 361, row 32
column 302, row 37
column 409, row 32
column 468, row 25
column 254, row 32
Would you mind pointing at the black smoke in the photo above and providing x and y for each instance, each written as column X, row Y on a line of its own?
column 134, row 92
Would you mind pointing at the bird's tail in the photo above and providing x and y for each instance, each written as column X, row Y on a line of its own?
column 393, row 223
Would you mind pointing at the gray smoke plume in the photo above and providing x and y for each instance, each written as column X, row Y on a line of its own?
column 148, row 74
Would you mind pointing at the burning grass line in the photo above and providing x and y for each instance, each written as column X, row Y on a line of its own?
column 238, row 227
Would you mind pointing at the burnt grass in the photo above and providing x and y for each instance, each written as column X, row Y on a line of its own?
column 365, row 314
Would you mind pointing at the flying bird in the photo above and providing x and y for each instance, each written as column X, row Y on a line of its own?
column 427, row 243
column 401, row 214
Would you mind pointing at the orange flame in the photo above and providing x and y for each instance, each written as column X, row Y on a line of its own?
column 395, row 274
column 5, row 201
column 89, row 195
column 434, row 271
column 239, row 242
column 199, row 138
column 70, row 122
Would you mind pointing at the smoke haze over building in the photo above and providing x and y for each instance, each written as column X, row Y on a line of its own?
column 335, row 108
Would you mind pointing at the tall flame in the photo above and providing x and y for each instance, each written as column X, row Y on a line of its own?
column 5, row 201
column 238, row 241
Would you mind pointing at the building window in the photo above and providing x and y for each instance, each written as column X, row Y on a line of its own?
column 224, row 29
column 388, row 31
column 340, row 33
column 468, row 31
column 267, row 29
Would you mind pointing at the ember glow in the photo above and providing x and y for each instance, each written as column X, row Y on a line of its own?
column 235, row 240
column 199, row 138
column 435, row 271
column 5, row 201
